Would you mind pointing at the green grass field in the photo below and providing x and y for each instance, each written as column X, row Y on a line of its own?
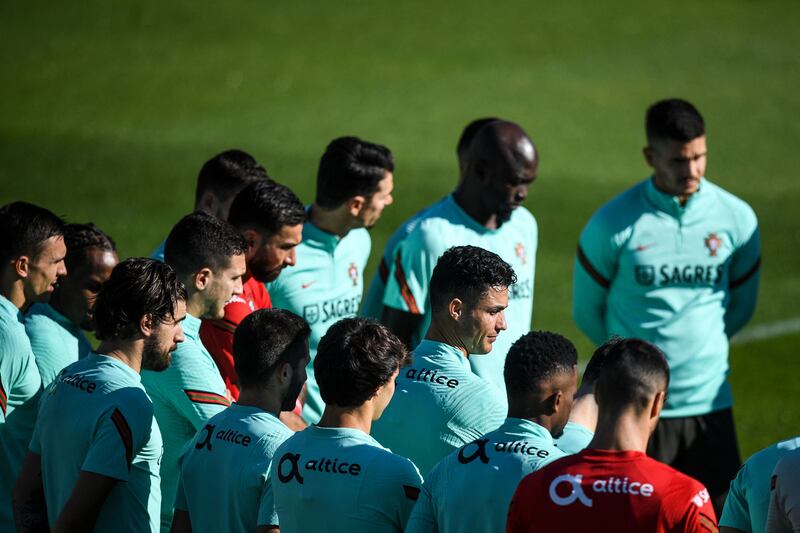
column 107, row 110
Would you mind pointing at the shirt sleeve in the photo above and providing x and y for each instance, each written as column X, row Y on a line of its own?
column 410, row 274
column 393, row 489
column 736, row 512
column 784, row 502
column 745, row 276
column 194, row 391
column 423, row 517
column 687, row 507
column 267, row 513
column 180, row 497
column 121, row 433
column 595, row 267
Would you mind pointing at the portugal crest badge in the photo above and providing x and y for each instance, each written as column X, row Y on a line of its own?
column 353, row 273
column 713, row 243
column 519, row 249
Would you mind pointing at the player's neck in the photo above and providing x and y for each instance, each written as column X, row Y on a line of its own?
column 196, row 305
column 12, row 289
column 438, row 333
column 470, row 202
column 266, row 400
column 624, row 433
column 127, row 351
column 584, row 410
column 336, row 221
column 355, row 418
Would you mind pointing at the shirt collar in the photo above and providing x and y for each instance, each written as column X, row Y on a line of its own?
column 50, row 311
column 313, row 235
column 526, row 427
column 669, row 203
column 9, row 308
column 191, row 326
column 441, row 351
column 113, row 361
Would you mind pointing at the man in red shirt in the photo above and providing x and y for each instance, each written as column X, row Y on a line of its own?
column 612, row 485
column 270, row 217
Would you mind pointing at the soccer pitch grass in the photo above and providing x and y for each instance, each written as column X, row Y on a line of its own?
column 107, row 111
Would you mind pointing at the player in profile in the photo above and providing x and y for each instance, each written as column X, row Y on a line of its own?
column 441, row 401
column 32, row 250
column 333, row 476
column 784, row 503
column 55, row 329
column 270, row 218
column 235, row 448
column 93, row 460
column 354, row 185
column 612, row 485
column 485, row 210
column 676, row 259
column 470, row 489
column 372, row 306
column 219, row 181
column 747, row 502
column 208, row 257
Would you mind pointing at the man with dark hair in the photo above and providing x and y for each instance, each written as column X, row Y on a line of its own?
column 613, row 485
column 219, row 181
column 93, row 459
column 485, row 210
column 208, row 257
column 333, row 476
column 676, row 259
column 354, row 185
column 783, row 515
column 442, row 402
column 235, row 448
column 270, row 218
column 372, row 306
column 54, row 328
column 32, row 250
column 541, row 374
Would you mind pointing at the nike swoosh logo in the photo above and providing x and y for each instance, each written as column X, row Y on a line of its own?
column 307, row 285
column 643, row 247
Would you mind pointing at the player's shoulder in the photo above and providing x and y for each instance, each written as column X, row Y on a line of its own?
column 384, row 462
column 357, row 237
column 735, row 207
column 521, row 216
column 789, row 464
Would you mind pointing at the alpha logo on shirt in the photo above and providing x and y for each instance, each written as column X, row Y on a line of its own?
column 431, row 376
column 291, row 463
column 226, row 435
column 477, row 450
column 672, row 275
column 713, row 243
column 353, row 273
column 611, row 485
column 80, row 383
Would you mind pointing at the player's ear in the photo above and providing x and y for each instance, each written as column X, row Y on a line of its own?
column 648, row 154
column 22, row 266
column 455, row 308
column 252, row 238
column 355, row 205
column 202, row 278
column 658, row 403
column 553, row 402
column 208, row 202
column 146, row 324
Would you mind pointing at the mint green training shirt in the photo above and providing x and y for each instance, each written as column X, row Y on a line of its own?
column 574, row 438
column 439, row 405
column 19, row 393
column 683, row 278
column 225, row 468
column 372, row 306
column 324, row 287
column 748, row 498
column 341, row 480
column 185, row 396
column 96, row 417
column 446, row 225
column 55, row 340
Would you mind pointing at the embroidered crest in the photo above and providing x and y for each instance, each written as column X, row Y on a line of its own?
column 519, row 249
column 713, row 243
column 353, row 273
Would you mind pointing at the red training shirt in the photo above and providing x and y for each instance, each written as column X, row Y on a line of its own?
column 217, row 335
column 604, row 490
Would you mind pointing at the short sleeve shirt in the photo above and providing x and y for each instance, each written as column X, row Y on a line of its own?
column 439, row 405
column 56, row 341
column 96, row 417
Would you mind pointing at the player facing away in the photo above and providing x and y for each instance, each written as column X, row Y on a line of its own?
column 270, row 218
column 32, row 250
column 440, row 400
column 334, row 477
column 219, row 181
column 93, row 460
column 235, row 448
column 470, row 489
column 675, row 260
column 783, row 515
column 748, row 499
column 55, row 329
column 372, row 306
column 354, row 185
column 208, row 257
column 612, row 485
column 485, row 210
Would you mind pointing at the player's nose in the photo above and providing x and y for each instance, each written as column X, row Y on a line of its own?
column 501, row 324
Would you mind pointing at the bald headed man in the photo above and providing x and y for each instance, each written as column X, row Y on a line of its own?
column 486, row 211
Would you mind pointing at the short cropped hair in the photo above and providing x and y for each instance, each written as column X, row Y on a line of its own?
column 226, row 173
column 535, row 358
column 265, row 340
column 81, row 237
column 635, row 371
column 201, row 240
column 354, row 359
column 266, row 205
column 599, row 361
column 467, row 272
column 470, row 130
column 351, row 167
column 24, row 227
column 137, row 287
column 673, row 119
